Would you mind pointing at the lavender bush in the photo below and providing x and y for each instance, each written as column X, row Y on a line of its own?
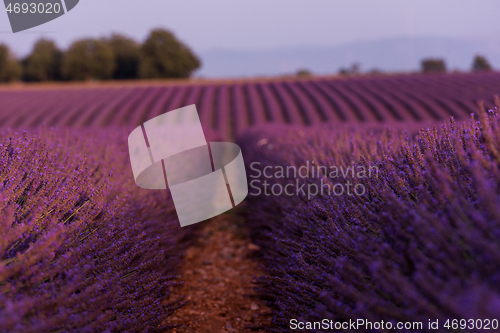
column 422, row 243
column 83, row 249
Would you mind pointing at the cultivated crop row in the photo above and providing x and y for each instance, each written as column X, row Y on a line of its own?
column 83, row 249
column 230, row 108
column 421, row 243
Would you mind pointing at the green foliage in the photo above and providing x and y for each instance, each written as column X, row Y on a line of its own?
column 164, row 56
column 480, row 64
column 89, row 59
column 304, row 73
column 433, row 66
column 44, row 62
column 127, row 56
column 117, row 57
column 353, row 70
column 375, row 71
column 10, row 69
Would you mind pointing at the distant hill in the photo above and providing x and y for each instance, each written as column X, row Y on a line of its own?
column 397, row 54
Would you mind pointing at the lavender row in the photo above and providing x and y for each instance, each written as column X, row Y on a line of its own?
column 422, row 242
column 83, row 249
column 231, row 107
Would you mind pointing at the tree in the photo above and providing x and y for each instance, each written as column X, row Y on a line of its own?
column 375, row 71
column 127, row 56
column 304, row 73
column 89, row 59
column 163, row 56
column 433, row 66
column 480, row 64
column 10, row 69
column 44, row 62
column 354, row 69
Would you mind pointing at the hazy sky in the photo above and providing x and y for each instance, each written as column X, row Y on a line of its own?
column 264, row 24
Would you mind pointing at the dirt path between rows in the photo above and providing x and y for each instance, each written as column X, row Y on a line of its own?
column 217, row 274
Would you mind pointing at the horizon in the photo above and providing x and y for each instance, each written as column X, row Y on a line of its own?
column 227, row 62
column 204, row 27
column 253, row 49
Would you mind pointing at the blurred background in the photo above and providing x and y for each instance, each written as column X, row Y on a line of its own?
column 255, row 38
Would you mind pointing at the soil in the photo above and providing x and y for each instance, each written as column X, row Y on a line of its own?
column 218, row 274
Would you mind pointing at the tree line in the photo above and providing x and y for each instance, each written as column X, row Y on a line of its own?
column 433, row 65
column 116, row 57
column 427, row 65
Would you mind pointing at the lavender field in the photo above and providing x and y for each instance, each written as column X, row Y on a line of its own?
column 83, row 248
column 229, row 108
column 421, row 243
column 86, row 250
